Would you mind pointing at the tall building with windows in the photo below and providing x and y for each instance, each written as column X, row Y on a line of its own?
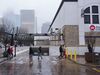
column 45, row 27
column 28, row 20
column 77, row 19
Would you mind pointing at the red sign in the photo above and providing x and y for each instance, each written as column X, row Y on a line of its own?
column 92, row 27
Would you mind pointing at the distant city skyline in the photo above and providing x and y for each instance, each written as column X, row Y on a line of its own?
column 45, row 9
column 12, row 18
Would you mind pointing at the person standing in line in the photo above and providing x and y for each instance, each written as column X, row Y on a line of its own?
column 39, row 52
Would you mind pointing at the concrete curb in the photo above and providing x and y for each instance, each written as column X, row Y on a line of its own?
column 91, row 65
column 2, row 60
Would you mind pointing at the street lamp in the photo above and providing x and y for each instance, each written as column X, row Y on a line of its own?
column 12, row 37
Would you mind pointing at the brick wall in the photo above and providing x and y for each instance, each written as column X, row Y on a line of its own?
column 71, row 35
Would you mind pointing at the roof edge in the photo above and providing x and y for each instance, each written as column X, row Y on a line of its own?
column 59, row 10
column 56, row 14
column 70, row 0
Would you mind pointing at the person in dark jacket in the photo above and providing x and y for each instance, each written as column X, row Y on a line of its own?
column 39, row 52
column 30, row 55
column 30, row 51
column 90, row 48
column 61, row 51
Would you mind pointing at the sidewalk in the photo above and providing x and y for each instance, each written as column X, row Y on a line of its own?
column 94, row 66
column 81, row 61
column 19, row 50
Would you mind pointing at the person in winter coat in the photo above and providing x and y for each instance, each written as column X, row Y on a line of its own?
column 10, row 51
column 39, row 52
column 61, row 51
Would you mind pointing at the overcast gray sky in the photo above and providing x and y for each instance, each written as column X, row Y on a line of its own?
column 44, row 9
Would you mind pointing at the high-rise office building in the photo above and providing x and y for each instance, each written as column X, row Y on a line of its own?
column 45, row 27
column 28, row 20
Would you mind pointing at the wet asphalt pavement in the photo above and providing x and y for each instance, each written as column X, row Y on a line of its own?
column 49, row 65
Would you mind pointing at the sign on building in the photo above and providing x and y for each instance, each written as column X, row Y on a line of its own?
column 92, row 27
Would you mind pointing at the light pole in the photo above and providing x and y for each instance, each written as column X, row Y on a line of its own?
column 15, row 42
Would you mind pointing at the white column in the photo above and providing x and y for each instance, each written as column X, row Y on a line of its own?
column 81, row 29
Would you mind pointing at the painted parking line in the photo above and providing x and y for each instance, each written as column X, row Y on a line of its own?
column 95, row 69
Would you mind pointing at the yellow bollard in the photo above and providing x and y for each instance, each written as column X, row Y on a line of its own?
column 71, row 54
column 75, row 55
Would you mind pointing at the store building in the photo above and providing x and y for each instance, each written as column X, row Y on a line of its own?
column 77, row 19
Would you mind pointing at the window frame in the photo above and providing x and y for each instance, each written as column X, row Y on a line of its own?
column 88, row 21
column 92, row 14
